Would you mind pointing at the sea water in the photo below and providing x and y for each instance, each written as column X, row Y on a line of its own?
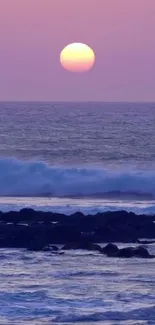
column 98, row 155
column 68, row 157
column 79, row 288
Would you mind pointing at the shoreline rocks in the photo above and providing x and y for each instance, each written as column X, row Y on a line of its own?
column 110, row 250
column 39, row 229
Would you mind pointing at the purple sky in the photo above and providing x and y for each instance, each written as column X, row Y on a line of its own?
column 121, row 32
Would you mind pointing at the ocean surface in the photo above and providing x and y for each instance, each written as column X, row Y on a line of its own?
column 77, row 156
column 69, row 157
column 76, row 288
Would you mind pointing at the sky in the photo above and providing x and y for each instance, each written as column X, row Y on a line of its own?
column 33, row 33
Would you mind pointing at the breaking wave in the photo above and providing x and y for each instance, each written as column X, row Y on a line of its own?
column 20, row 178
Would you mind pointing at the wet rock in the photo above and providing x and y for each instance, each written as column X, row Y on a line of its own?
column 70, row 246
column 19, row 229
column 110, row 250
column 54, row 248
column 38, row 244
column 145, row 242
column 46, row 249
column 142, row 252
column 96, row 247
column 83, row 245
column 134, row 252
column 126, row 252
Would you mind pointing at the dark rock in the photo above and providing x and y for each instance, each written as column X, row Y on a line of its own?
column 46, row 249
column 83, row 245
column 26, row 227
column 110, row 250
column 61, row 234
column 38, row 244
column 145, row 242
column 96, row 247
column 35, row 248
column 142, row 252
column 70, row 246
column 126, row 252
column 54, row 248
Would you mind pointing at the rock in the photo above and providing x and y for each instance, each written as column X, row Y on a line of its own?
column 145, row 242
column 83, row 245
column 70, row 246
column 41, row 247
column 59, row 253
column 35, row 248
column 46, row 249
column 54, row 248
column 110, row 250
column 90, row 246
column 38, row 245
column 128, row 252
column 24, row 229
column 96, row 247
column 142, row 252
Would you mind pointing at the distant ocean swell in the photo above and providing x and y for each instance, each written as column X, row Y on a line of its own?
column 20, row 178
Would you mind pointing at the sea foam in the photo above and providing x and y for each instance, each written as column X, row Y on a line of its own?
column 34, row 178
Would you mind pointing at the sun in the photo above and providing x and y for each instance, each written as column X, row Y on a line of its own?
column 77, row 57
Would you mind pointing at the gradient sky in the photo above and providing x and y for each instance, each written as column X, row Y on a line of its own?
column 121, row 32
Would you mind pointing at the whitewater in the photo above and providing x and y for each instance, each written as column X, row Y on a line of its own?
column 38, row 179
column 69, row 157
column 67, row 190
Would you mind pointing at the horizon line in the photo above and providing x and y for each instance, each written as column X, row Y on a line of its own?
column 79, row 101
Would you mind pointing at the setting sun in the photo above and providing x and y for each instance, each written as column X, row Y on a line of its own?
column 77, row 57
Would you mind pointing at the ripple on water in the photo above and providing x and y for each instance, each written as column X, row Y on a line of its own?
column 75, row 288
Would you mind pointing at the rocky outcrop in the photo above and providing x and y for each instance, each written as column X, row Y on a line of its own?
column 83, row 245
column 41, row 247
column 112, row 250
column 134, row 252
column 27, row 227
column 145, row 242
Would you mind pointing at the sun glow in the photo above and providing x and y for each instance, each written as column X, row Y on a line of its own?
column 77, row 57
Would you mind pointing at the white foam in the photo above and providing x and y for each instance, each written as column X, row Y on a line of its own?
column 71, row 205
column 20, row 178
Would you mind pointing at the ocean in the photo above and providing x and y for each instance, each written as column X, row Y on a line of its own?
column 69, row 157
column 66, row 157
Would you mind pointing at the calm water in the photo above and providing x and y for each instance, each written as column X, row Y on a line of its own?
column 69, row 157
column 110, row 135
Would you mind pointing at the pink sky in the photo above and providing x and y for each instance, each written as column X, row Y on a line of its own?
column 121, row 32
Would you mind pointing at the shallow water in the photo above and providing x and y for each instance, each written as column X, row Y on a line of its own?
column 76, row 288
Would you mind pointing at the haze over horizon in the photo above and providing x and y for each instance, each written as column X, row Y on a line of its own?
column 121, row 33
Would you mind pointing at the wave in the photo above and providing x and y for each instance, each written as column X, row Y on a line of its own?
column 69, row 209
column 34, row 178
column 138, row 315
